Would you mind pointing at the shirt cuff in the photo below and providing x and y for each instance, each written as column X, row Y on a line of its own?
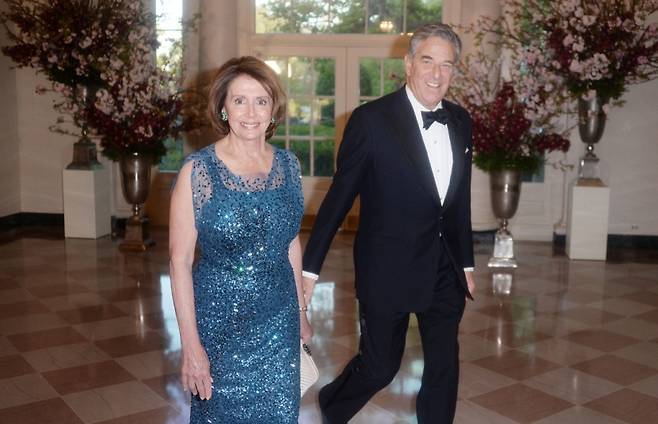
column 469, row 269
column 310, row 275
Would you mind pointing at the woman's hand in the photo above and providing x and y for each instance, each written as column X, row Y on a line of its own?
column 195, row 372
column 306, row 331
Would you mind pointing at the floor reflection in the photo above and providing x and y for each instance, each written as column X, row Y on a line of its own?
column 89, row 335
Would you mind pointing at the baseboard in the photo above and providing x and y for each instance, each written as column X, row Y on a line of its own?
column 484, row 237
column 31, row 219
column 618, row 241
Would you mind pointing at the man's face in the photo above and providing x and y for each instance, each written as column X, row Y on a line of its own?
column 430, row 70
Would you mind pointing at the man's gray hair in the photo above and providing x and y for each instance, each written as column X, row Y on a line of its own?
column 440, row 30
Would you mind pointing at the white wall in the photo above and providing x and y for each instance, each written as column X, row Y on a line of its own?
column 43, row 154
column 629, row 162
column 10, row 182
column 628, row 151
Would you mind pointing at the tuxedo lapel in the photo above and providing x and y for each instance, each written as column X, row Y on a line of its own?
column 458, row 146
column 409, row 138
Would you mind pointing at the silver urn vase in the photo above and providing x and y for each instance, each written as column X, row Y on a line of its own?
column 505, row 193
column 591, row 123
column 135, row 181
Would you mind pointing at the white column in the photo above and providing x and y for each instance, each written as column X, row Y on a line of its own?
column 217, row 33
column 465, row 12
column 587, row 224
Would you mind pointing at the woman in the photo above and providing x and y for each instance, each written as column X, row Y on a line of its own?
column 239, row 311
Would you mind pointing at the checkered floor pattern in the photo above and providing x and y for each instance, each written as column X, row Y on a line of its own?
column 89, row 335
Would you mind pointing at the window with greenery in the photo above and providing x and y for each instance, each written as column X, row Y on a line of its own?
column 309, row 130
column 170, row 34
column 345, row 16
column 379, row 76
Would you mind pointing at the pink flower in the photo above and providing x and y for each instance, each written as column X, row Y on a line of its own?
column 568, row 40
column 85, row 43
column 576, row 67
column 589, row 20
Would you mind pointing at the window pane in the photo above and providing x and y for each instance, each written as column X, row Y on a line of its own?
column 172, row 161
column 310, row 16
column 299, row 117
column 169, row 30
column 325, row 77
column 302, row 149
column 310, row 116
column 369, row 72
column 280, row 68
column 393, row 75
column 385, row 16
column 300, row 76
column 422, row 12
column 325, row 124
column 324, row 158
column 280, row 130
column 344, row 16
column 281, row 144
column 169, row 14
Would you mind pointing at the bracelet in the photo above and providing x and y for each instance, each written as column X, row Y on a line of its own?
column 303, row 308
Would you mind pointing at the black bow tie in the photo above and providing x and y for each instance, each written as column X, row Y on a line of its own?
column 441, row 116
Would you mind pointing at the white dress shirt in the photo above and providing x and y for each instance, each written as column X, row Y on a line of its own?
column 437, row 144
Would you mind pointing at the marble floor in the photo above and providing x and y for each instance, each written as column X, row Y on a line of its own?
column 88, row 335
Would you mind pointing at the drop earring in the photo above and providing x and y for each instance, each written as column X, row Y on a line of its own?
column 273, row 120
column 224, row 115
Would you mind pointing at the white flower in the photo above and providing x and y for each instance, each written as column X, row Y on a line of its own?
column 116, row 63
column 589, row 20
column 86, row 43
column 568, row 40
column 575, row 66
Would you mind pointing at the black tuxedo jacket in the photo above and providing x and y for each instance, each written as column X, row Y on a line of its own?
column 403, row 227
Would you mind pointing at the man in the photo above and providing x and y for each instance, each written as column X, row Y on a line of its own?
column 413, row 251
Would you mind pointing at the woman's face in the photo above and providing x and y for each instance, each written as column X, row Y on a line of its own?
column 249, row 108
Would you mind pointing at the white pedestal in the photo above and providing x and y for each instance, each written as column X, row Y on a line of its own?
column 86, row 203
column 587, row 223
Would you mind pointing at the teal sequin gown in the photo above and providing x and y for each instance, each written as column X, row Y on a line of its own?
column 244, row 289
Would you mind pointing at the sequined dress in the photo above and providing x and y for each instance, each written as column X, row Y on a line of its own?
column 244, row 289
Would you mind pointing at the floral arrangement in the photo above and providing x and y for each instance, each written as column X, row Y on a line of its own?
column 598, row 47
column 504, row 138
column 109, row 47
column 73, row 41
column 515, row 102
column 142, row 104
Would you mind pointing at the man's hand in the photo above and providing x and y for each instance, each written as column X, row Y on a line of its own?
column 308, row 285
column 470, row 281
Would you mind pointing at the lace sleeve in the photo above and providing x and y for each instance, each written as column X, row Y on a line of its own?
column 201, row 183
column 295, row 172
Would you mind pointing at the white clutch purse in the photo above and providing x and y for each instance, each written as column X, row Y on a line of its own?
column 308, row 372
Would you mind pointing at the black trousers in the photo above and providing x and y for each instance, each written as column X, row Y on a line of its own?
column 383, row 334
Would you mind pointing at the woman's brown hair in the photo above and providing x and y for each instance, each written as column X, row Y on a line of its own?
column 256, row 69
